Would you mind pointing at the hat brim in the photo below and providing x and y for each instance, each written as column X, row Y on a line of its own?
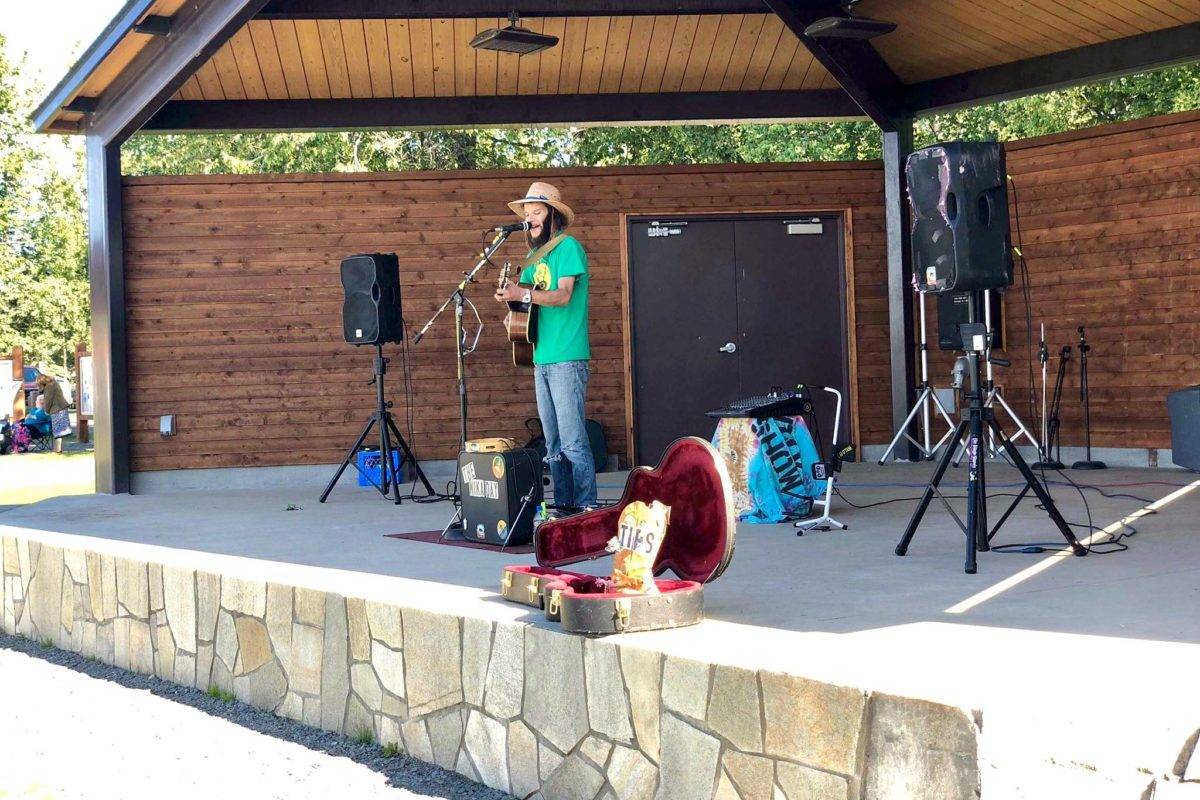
column 517, row 207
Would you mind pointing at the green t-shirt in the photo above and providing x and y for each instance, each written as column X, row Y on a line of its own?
column 562, row 331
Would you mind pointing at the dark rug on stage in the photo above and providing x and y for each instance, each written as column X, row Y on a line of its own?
column 435, row 537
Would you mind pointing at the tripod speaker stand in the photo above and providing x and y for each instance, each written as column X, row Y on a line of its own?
column 976, row 417
column 382, row 416
column 928, row 396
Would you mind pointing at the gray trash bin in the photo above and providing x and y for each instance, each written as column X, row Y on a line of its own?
column 1183, row 407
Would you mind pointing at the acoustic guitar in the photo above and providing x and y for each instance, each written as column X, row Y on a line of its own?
column 521, row 324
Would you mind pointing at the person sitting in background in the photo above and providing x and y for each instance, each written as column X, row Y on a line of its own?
column 57, row 407
column 38, row 421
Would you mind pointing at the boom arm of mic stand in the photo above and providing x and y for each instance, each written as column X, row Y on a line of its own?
column 468, row 277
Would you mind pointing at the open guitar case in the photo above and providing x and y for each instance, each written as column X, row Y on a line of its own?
column 691, row 478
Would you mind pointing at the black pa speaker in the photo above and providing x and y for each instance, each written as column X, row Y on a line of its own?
column 371, row 311
column 959, row 202
column 500, row 495
column 954, row 310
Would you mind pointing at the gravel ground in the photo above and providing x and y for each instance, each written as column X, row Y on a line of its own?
column 74, row 728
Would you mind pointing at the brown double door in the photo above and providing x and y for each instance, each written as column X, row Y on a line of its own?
column 728, row 307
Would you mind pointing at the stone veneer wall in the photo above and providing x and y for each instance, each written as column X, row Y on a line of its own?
column 520, row 708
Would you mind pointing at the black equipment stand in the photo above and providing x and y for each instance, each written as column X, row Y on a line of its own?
column 382, row 416
column 976, row 417
column 1052, row 448
column 1084, row 397
column 454, row 528
column 459, row 298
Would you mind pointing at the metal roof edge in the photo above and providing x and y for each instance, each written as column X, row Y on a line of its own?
column 87, row 63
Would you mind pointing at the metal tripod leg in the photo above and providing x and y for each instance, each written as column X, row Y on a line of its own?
column 350, row 456
column 942, row 466
column 1047, row 501
column 993, row 396
column 455, row 523
column 1021, row 429
column 823, row 522
column 928, row 395
column 412, row 459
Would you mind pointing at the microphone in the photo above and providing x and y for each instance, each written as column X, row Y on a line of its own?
column 513, row 228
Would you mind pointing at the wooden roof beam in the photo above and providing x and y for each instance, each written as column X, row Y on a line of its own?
column 197, row 31
column 181, row 116
column 44, row 116
column 1086, row 64
column 154, row 25
column 855, row 65
column 443, row 9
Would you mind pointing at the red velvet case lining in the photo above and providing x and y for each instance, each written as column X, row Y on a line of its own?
column 594, row 588
column 544, row 572
column 691, row 479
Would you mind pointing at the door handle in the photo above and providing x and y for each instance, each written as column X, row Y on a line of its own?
column 729, row 347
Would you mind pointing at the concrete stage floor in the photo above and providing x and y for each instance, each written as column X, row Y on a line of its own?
column 1086, row 663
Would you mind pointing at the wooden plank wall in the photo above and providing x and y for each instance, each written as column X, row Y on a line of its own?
column 234, row 304
column 1110, row 218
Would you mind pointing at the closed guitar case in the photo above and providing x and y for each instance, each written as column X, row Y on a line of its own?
column 697, row 548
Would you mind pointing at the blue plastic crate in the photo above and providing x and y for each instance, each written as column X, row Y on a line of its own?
column 369, row 462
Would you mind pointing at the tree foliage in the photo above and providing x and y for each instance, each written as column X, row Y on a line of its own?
column 43, row 237
column 1133, row 97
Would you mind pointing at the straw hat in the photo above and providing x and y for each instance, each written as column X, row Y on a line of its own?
column 540, row 192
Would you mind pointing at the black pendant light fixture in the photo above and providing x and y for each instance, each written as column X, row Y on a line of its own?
column 848, row 26
column 513, row 39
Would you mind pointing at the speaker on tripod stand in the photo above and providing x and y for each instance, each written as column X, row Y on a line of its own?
column 960, row 242
column 372, row 315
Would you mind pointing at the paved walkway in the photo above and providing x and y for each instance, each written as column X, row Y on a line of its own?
column 67, row 734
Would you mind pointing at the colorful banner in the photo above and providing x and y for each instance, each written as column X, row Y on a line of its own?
column 770, row 463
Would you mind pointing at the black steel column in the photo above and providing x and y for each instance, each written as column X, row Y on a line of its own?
column 896, row 147
column 106, row 275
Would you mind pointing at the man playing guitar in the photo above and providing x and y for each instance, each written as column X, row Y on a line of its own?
column 556, row 278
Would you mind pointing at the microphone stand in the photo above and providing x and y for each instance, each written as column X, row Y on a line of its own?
column 459, row 298
column 1087, row 463
column 1053, row 459
column 1044, row 358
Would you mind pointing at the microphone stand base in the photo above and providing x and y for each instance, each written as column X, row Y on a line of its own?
column 1089, row 465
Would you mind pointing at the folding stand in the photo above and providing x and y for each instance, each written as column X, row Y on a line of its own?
column 975, row 418
column 459, row 298
column 382, row 417
column 927, row 396
column 1053, row 459
column 994, row 395
column 1085, row 398
column 825, row 522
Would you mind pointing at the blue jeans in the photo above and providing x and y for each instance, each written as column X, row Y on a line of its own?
column 560, row 390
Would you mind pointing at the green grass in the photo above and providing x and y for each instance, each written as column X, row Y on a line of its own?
column 47, row 644
column 219, row 694
column 390, row 750
column 364, row 736
column 30, row 477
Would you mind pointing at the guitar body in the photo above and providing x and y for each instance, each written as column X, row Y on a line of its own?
column 522, row 330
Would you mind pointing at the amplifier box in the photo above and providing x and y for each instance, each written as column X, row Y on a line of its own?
column 500, row 495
